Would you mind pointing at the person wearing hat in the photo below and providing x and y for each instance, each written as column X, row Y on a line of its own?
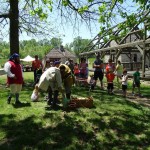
column 67, row 79
column 51, row 81
column 13, row 70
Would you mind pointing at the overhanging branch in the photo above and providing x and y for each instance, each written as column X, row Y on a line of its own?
column 4, row 15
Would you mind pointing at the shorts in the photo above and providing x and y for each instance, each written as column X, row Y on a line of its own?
column 124, row 87
column 110, row 86
column 136, row 84
column 15, row 88
column 98, row 74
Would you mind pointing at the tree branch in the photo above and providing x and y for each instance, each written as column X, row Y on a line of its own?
column 4, row 15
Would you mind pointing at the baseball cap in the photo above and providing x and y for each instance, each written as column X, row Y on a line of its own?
column 56, row 62
column 15, row 55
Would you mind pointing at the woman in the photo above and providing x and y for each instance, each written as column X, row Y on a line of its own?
column 119, row 71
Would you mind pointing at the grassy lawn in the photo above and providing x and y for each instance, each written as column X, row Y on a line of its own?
column 113, row 122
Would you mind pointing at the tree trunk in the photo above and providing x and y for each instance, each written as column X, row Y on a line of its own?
column 14, row 27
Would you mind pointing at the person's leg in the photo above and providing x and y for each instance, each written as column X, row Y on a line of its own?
column 18, row 89
column 133, row 87
column 124, row 90
column 108, row 88
column 67, row 87
column 139, row 90
column 112, row 87
column 9, row 98
column 35, row 75
column 50, row 93
column 95, row 77
column 118, row 82
column 55, row 100
column 101, row 75
column 12, row 91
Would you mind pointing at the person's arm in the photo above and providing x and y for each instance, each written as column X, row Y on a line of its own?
column 7, row 70
column 58, row 79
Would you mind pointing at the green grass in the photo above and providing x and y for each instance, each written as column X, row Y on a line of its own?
column 113, row 122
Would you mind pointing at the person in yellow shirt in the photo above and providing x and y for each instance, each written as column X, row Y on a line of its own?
column 67, row 79
column 119, row 72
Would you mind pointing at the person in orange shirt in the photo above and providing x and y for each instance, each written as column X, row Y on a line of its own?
column 36, row 64
column 76, row 70
column 110, row 68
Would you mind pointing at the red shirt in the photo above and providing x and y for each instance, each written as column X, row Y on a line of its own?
column 36, row 64
column 109, row 72
column 17, row 70
column 76, row 69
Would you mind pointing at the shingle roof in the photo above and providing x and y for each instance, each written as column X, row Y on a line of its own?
column 57, row 53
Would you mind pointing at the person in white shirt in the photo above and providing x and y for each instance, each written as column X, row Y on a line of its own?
column 51, row 81
column 15, row 80
column 124, row 83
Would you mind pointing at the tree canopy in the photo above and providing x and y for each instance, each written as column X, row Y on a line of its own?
column 34, row 14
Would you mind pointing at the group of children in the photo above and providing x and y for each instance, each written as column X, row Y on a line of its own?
column 122, row 78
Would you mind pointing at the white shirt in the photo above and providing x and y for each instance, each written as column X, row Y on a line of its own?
column 7, row 68
column 124, row 79
column 51, row 77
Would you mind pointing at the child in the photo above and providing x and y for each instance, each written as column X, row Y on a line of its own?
column 136, row 81
column 76, row 70
column 35, row 95
column 124, row 83
column 92, row 82
column 110, row 68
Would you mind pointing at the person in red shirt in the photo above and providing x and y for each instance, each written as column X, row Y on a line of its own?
column 36, row 64
column 76, row 70
column 13, row 70
column 110, row 68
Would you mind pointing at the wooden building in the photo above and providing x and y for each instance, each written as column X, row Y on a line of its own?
column 133, row 49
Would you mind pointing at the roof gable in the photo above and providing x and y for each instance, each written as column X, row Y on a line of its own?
column 57, row 53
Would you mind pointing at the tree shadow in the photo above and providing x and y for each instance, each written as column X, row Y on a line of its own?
column 21, row 105
column 28, row 134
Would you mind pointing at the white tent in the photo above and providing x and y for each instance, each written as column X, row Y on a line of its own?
column 28, row 59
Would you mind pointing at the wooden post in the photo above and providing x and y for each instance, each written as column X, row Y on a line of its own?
column 144, row 52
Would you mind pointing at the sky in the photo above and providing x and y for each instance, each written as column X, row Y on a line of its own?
column 67, row 33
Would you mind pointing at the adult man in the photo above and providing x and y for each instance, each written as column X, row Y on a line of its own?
column 51, row 81
column 99, row 71
column 14, row 77
column 36, row 64
column 67, row 78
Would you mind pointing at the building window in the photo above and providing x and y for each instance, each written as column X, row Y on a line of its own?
column 135, row 57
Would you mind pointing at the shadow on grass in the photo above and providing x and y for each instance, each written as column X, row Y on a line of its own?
column 21, row 105
column 27, row 134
